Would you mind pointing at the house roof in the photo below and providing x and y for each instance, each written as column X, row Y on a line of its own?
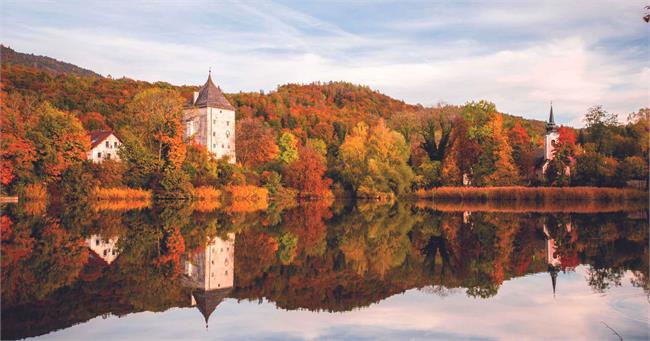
column 211, row 96
column 97, row 137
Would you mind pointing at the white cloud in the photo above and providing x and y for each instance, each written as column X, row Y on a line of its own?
column 270, row 44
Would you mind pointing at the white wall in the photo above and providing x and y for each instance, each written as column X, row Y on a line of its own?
column 112, row 148
column 213, row 128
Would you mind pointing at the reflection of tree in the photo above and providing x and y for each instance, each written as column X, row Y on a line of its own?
column 336, row 261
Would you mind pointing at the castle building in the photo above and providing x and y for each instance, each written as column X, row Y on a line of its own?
column 210, row 120
column 103, row 146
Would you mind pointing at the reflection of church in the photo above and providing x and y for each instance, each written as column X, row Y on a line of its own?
column 209, row 271
column 553, row 260
column 104, row 249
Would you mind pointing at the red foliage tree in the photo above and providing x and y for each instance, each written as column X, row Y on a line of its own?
column 255, row 143
column 307, row 174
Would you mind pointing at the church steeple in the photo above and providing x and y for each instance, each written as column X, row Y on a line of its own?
column 550, row 125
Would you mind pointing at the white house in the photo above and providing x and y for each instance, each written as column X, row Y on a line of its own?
column 104, row 146
column 210, row 120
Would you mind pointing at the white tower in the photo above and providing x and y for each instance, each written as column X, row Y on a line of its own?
column 210, row 119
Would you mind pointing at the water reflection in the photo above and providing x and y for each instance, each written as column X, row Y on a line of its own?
column 66, row 267
column 210, row 270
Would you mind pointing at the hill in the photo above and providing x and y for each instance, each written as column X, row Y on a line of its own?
column 9, row 56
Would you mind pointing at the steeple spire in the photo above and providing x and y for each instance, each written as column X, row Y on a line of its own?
column 550, row 125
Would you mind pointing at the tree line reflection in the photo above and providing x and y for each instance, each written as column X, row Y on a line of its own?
column 70, row 264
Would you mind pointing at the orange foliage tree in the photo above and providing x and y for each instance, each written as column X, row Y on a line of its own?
column 307, row 174
column 255, row 143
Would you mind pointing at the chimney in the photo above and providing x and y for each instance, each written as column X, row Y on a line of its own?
column 196, row 95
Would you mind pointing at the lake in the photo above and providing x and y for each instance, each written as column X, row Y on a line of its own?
column 324, row 270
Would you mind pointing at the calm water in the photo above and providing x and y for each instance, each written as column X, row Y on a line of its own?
column 340, row 271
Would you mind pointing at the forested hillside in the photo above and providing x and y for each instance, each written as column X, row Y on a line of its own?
column 9, row 56
column 307, row 139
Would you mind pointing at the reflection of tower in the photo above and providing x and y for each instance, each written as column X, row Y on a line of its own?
column 210, row 272
column 106, row 249
column 553, row 260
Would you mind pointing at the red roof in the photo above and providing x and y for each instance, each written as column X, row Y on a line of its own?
column 97, row 137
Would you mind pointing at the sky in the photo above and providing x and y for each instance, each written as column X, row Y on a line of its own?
column 521, row 55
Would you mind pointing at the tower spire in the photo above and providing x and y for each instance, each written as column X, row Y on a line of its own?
column 550, row 125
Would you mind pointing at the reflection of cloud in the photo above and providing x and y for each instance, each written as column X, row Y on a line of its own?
column 524, row 307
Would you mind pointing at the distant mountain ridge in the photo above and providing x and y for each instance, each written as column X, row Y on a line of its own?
column 10, row 56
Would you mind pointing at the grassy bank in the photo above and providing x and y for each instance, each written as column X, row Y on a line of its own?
column 532, row 194
column 121, row 193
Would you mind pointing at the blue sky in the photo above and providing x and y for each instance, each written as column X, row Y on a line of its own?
column 518, row 54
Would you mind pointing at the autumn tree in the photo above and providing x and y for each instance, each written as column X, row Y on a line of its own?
column 59, row 140
column 288, row 148
column 307, row 173
column 255, row 143
column 374, row 161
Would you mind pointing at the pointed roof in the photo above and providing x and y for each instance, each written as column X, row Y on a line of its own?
column 211, row 96
column 550, row 125
column 207, row 301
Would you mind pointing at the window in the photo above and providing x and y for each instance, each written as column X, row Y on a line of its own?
column 222, row 146
column 190, row 128
column 108, row 145
column 108, row 156
column 228, row 123
column 97, row 241
column 227, row 133
column 214, row 133
column 99, row 155
column 115, row 144
column 226, row 273
column 105, row 253
column 214, row 121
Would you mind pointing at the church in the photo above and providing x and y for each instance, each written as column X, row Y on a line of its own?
column 551, row 138
column 210, row 120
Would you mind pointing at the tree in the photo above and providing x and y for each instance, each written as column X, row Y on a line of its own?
column 436, row 149
column 600, row 127
column 307, row 174
column 504, row 172
column 374, row 162
column 288, row 148
column 59, row 140
column 255, row 143
column 523, row 151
